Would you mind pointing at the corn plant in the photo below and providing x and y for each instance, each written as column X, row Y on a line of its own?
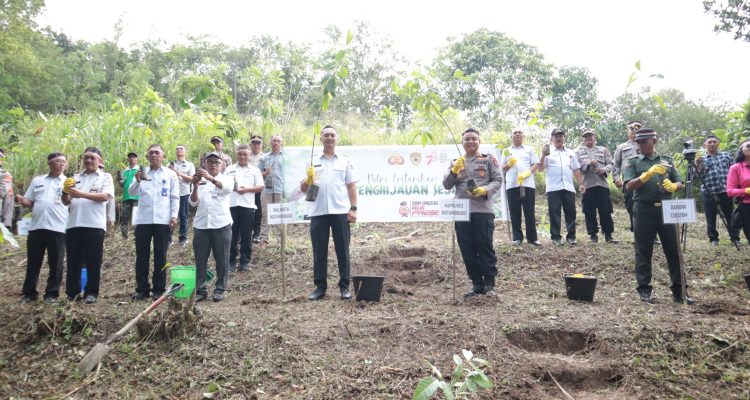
column 468, row 379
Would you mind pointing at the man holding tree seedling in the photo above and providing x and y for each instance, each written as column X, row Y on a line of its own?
column 477, row 177
column 159, row 201
column 653, row 178
column 520, row 162
column 561, row 165
column 596, row 164
column 184, row 170
column 248, row 182
column 623, row 153
column 332, row 177
column 212, row 225
column 47, row 229
column 87, row 194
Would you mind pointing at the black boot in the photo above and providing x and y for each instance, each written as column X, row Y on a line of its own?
column 317, row 294
column 475, row 291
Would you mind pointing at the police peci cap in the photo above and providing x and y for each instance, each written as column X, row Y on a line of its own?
column 644, row 134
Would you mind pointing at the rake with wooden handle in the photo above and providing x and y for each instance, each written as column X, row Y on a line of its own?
column 95, row 355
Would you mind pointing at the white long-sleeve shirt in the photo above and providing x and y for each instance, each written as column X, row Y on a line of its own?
column 213, row 204
column 158, row 197
column 560, row 164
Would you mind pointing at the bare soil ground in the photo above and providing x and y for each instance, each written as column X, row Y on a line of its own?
column 254, row 345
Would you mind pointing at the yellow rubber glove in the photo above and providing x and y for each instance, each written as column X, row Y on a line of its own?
column 669, row 186
column 310, row 176
column 512, row 161
column 67, row 184
column 656, row 169
column 479, row 192
column 522, row 177
column 747, row 191
column 458, row 165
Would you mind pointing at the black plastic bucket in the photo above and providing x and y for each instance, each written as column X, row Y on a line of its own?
column 747, row 281
column 580, row 288
column 367, row 288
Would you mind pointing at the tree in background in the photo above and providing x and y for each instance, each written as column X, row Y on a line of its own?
column 733, row 16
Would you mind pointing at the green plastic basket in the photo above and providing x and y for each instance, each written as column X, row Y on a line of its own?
column 184, row 274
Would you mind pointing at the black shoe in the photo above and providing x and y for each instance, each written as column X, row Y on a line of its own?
column 27, row 299
column 50, row 300
column 736, row 242
column 232, row 266
column 317, row 294
column 182, row 242
column 594, row 238
column 714, row 243
column 536, row 243
column 156, row 295
column 245, row 268
column 557, row 242
column 678, row 299
column 200, row 297
column 218, row 297
column 609, row 239
column 475, row 291
column 137, row 296
column 572, row 240
column 516, row 243
column 490, row 291
column 646, row 297
column 345, row 294
column 90, row 299
column 256, row 239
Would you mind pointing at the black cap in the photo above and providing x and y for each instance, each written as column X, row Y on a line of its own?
column 644, row 134
column 132, row 154
column 213, row 154
column 256, row 138
column 217, row 139
column 557, row 131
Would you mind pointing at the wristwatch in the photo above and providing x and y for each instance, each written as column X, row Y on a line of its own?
column 353, row 208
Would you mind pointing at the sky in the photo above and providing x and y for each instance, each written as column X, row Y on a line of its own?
column 670, row 37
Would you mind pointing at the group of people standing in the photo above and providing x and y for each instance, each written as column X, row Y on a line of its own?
column 646, row 178
column 69, row 215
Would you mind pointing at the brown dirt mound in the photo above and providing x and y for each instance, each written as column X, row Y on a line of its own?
column 720, row 307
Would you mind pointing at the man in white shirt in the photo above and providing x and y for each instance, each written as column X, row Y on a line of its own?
column 257, row 157
column 561, row 165
column 185, row 171
column 47, row 229
column 212, row 225
column 334, row 208
column 158, row 203
column 87, row 194
column 519, row 163
column 248, row 182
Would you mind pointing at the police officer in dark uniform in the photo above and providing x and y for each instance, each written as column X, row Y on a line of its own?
column 475, row 236
column 653, row 178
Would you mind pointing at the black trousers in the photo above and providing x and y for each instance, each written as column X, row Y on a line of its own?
column 242, row 220
column 475, row 242
column 39, row 241
column 515, row 205
column 647, row 220
column 320, row 227
column 84, row 246
column 628, row 196
column 258, row 217
column 746, row 220
column 145, row 234
column 596, row 199
column 710, row 207
column 183, row 216
column 565, row 201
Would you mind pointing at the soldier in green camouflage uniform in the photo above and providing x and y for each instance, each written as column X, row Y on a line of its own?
column 653, row 178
